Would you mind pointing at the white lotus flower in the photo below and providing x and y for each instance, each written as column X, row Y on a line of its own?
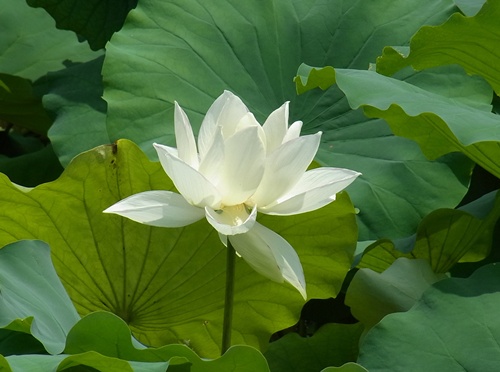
column 236, row 169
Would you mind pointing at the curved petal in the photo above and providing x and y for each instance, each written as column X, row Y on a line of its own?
column 226, row 112
column 158, row 208
column 243, row 166
column 231, row 220
column 314, row 190
column 270, row 255
column 284, row 167
column 193, row 186
column 184, row 137
column 293, row 131
column 275, row 127
column 211, row 164
column 231, row 114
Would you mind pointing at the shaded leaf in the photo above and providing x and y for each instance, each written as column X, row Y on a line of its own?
column 32, row 297
column 20, row 106
column 454, row 327
column 470, row 7
column 332, row 344
column 96, row 20
column 73, row 95
column 443, row 238
column 468, row 41
column 440, row 125
column 32, row 168
column 18, row 343
column 31, row 45
column 372, row 295
column 168, row 284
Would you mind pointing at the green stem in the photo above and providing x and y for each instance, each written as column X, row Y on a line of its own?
column 229, row 297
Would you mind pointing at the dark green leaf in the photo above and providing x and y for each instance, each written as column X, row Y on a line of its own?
column 31, row 46
column 471, row 42
column 454, row 327
column 74, row 96
column 33, row 168
column 332, row 344
column 371, row 295
column 96, row 20
column 20, row 106
column 443, row 238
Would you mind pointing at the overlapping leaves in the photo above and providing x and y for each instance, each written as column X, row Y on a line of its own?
column 37, row 317
column 190, row 51
column 167, row 284
column 471, row 42
column 454, row 327
column 439, row 124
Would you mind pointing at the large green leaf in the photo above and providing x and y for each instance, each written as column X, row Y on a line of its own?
column 471, row 42
column 190, row 51
column 372, row 295
column 19, row 106
column 168, row 284
column 74, row 96
column 332, row 344
column 32, row 299
column 443, row 238
column 109, row 335
column 31, row 46
column 439, row 124
column 454, row 327
column 96, row 20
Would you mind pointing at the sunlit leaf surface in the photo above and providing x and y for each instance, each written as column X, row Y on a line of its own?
column 167, row 284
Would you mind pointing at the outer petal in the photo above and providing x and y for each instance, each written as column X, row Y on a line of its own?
column 314, row 190
column 158, row 208
column 243, row 166
column 184, row 137
column 226, row 111
column 270, row 255
column 275, row 128
column 284, row 167
column 231, row 220
column 193, row 186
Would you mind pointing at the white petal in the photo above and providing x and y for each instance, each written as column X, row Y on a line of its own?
column 193, row 186
column 243, row 166
column 284, row 167
column 226, row 111
column 209, row 123
column 184, row 137
column 211, row 164
column 231, row 220
column 270, row 255
column 231, row 114
column 293, row 131
column 158, row 208
column 275, row 128
column 314, row 190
